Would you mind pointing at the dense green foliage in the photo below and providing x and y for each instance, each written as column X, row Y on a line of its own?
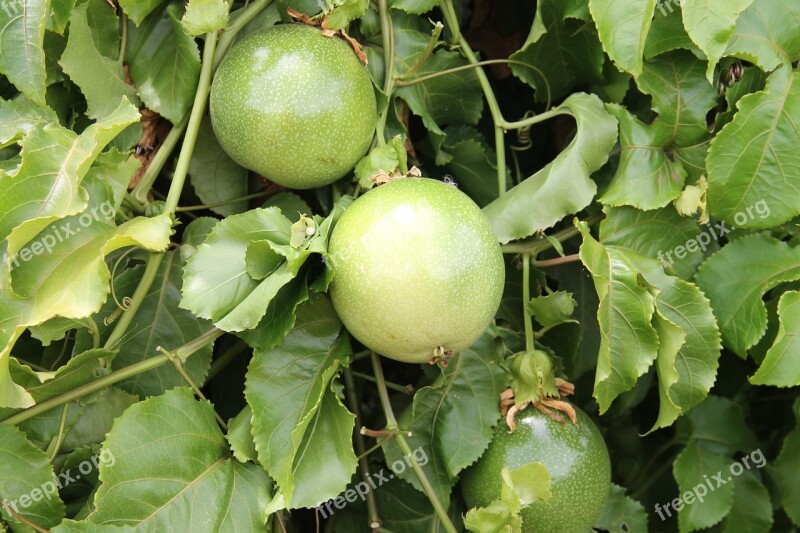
column 170, row 358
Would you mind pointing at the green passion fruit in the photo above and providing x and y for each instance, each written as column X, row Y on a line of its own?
column 293, row 105
column 576, row 457
column 418, row 271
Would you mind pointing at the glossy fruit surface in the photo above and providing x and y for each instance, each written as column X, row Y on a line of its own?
column 418, row 270
column 293, row 105
column 576, row 457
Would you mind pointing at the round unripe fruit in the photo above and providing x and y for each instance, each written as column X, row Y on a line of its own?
column 419, row 271
column 293, row 105
column 576, row 457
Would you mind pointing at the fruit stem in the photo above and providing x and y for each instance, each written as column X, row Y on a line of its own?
column 242, row 17
column 195, row 118
column 114, row 377
column 391, row 425
column 526, row 298
column 175, row 188
column 497, row 116
column 352, row 398
column 387, row 34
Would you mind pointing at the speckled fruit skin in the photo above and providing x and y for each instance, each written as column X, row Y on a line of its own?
column 293, row 105
column 417, row 267
column 576, row 457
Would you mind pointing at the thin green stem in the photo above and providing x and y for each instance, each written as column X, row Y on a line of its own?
column 219, row 204
column 55, row 444
column 352, row 398
column 497, row 116
column 408, row 389
column 377, row 445
column 391, row 425
column 557, row 261
column 178, row 363
column 238, row 21
column 403, row 81
column 526, row 297
column 196, row 116
column 230, row 354
column 432, row 42
column 387, row 34
column 139, row 193
column 441, row 512
column 124, row 40
column 536, row 119
column 537, row 246
column 127, row 316
column 383, row 393
column 114, row 377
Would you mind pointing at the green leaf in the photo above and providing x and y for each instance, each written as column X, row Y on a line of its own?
column 87, row 60
column 22, row 27
column 784, row 471
column 59, row 16
column 692, row 468
column 205, row 16
column 711, row 26
column 751, row 160
column 766, row 34
column 302, row 432
column 521, row 486
column 165, row 66
column 415, row 7
column 497, row 517
column 17, row 118
column 137, row 10
column 55, row 161
column 165, row 454
column 553, row 309
column 622, row 514
column 97, row 417
column 240, row 436
column 472, row 162
column 668, row 33
column 656, row 234
column 752, row 507
column 216, row 178
column 563, row 187
column 682, row 96
column 159, row 322
column 646, row 178
column 27, row 482
column 623, row 26
column 382, row 160
column 344, row 12
column 737, row 277
column 719, row 425
column 452, row 99
column 688, row 356
column 565, row 52
column 781, row 366
column 451, row 420
column 628, row 341
column 212, row 288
